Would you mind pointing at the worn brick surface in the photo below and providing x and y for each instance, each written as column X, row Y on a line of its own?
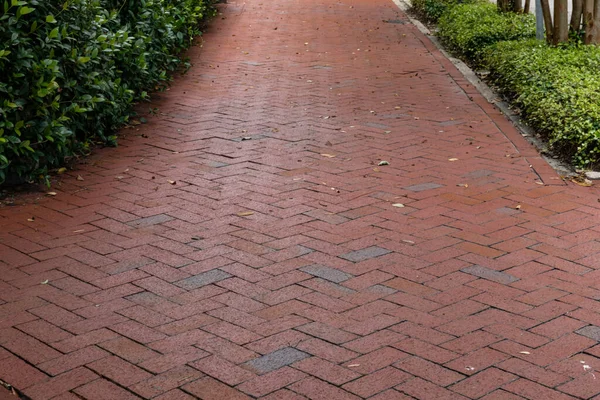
column 277, row 266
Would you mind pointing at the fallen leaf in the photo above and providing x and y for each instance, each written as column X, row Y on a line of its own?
column 79, row 178
column 524, row 352
column 376, row 169
column 246, row 138
column 468, row 368
column 539, row 183
column 581, row 181
column 399, row 205
column 383, row 163
column 79, row 231
column 453, row 159
column 353, row 365
column 465, row 185
column 245, row 213
column 518, row 207
column 328, row 155
column 44, row 282
column 31, row 219
column 119, row 177
column 408, row 241
column 61, row 170
column 387, row 132
column 172, row 182
column 51, row 193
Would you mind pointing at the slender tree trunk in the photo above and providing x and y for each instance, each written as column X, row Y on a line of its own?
column 576, row 15
column 595, row 29
column 548, row 20
column 527, row 6
column 588, row 21
column 517, row 6
column 561, row 21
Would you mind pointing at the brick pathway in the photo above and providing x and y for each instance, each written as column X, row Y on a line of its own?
column 292, row 265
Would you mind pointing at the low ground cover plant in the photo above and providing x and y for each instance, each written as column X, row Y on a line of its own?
column 558, row 91
column 470, row 28
column 71, row 70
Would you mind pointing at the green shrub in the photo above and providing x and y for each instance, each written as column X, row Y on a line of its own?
column 469, row 28
column 432, row 10
column 71, row 70
column 558, row 91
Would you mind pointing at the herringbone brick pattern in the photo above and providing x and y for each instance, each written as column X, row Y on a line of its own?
column 247, row 243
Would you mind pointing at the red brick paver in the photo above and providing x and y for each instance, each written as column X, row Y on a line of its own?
column 283, row 261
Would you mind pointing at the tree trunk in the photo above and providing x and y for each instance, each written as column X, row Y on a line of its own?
column 548, row 20
column 527, row 6
column 576, row 15
column 595, row 28
column 517, row 6
column 588, row 22
column 561, row 22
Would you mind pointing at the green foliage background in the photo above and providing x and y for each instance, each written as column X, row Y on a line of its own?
column 71, row 69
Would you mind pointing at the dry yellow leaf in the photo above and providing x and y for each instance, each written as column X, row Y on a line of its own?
column 61, row 170
column 453, row 159
column 328, row 155
column 581, row 181
column 172, row 182
column 245, row 213
column 51, row 193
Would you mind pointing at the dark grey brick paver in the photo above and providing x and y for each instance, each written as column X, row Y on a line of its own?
column 275, row 360
column 365, row 254
column 330, row 274
column 591, row 331
column 203, row 279
column 490, row 274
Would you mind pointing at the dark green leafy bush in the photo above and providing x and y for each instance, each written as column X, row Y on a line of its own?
column 469, row 28
column 558, row 90
column 432, row 10
column 71, row 70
